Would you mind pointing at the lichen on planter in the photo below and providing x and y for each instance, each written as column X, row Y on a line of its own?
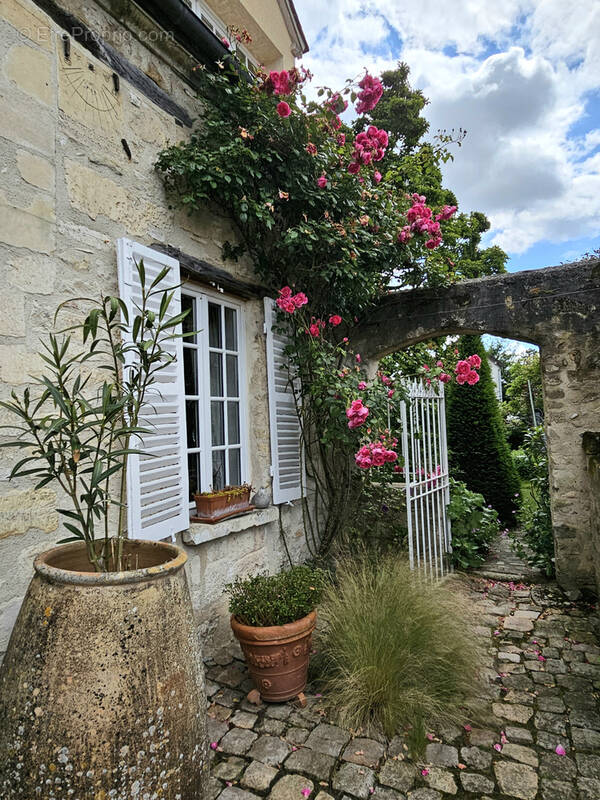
column 102, row 686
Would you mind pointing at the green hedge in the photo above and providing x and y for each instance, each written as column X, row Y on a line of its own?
column 479, row 453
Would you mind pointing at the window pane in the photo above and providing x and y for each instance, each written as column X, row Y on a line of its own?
column 218, row 470
column 191, row 419
column 194, row 474
column 217, row 423
column 233, row 387
column 189, row 323
column 216, row 375
column 190, row 370
column 233, row 423
column 214, row 325
column 231, row 329
column 235, row 470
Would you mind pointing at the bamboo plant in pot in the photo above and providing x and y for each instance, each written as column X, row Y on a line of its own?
column 102, row 687
column 273, row 618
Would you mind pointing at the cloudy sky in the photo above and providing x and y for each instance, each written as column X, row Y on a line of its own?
column 521, row 76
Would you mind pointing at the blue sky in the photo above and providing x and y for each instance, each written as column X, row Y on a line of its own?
column 523, row 78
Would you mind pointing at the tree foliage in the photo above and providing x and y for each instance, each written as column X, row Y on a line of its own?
column 479, row 452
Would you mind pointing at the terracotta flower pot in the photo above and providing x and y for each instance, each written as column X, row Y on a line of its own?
column 102, row 686
column 277, row 656
column 211, row 507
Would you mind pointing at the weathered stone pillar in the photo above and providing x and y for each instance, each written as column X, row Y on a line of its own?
column 571, row 383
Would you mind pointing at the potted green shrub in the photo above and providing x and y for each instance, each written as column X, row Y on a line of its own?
column 214, row 506
column 102, row 684
column 273, row 618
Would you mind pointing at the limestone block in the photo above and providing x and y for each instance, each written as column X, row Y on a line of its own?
column 12, row 313
column 94, row 194
column 21, row 510
column 16, row 364
column 29, row 22
column 27, row 123
column 31, row 70
column 87, row 94
column 35, row 170
column 32, row 273
column 31, row 227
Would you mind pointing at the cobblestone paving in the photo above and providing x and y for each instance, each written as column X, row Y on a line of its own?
column 539, row 697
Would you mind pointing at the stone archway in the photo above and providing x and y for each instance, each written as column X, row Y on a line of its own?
column 558, row 309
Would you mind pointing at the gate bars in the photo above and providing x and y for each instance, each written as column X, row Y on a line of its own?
column 425, row 452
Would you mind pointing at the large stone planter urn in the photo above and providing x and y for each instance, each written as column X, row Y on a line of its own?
column 102, row 686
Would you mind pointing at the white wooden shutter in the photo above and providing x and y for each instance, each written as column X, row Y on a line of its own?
column 287, row 467
column 157, row 477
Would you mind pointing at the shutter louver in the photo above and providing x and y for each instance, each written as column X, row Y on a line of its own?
column 157, row 480
column 286, row 450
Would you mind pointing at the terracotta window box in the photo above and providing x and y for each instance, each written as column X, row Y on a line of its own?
column 215, row 506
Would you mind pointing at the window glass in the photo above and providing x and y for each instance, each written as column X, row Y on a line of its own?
column 217, row 422
column 218, row 470
column 231, row 329
column 212, row 395
column 233, row 423
column 216, row 375
column 232, row 376
column 214, row 325
column 189, row 322
column 235, row 472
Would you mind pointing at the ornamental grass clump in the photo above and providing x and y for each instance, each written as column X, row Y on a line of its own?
column 396, row 652
column 267, row 600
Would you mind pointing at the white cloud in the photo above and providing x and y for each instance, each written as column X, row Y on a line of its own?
column 519, row 163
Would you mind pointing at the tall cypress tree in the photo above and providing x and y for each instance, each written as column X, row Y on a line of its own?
column 479, row 452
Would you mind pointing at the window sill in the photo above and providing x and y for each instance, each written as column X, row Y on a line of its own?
column 199, row 533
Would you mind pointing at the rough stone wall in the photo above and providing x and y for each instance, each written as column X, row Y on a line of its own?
column 67, row 191
column 591, row 447
column 557, row 308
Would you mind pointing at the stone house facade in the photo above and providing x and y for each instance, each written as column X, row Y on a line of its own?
column 90, row 92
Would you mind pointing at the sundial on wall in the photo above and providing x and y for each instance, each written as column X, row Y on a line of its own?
column 88, row 92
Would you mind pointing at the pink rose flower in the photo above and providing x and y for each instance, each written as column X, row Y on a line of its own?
column 353, row 167
column 283, row 109
column 472, row 377
column 462, row 368
column 362, row 385
column 445, row 378
column 390, row 393
column 299, row 299
column 358, row 358
column 335, row 320
column 225, row 41
column 341, row 139
column 314, row 330
column 377, row 176
column 560, row 750
column 322, row 182
column 311, row 149
column 446, row 213
column 474, row 361
column 370, row 94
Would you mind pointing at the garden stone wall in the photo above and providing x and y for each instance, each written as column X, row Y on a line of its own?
column 77, row 161
column 557, row 308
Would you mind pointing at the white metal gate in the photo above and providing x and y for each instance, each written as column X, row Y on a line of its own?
column 425, row 453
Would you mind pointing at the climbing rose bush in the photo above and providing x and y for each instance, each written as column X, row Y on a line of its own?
column 310, row 199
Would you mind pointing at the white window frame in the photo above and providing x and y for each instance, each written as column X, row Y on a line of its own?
column 218, row 27
column 202, row 298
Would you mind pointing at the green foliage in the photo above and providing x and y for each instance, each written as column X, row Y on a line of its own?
column 324, row 388
column 395, row 650
column 524, row 371
column 266, row 600
column 474, row 526
column 536, row 542
column 78, row 433
column 379, row 521
column 477, row 442
column 522, row 464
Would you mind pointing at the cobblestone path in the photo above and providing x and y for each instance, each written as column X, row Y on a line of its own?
column 539, row 699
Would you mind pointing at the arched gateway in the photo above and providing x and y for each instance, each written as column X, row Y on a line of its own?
column 558, row 309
